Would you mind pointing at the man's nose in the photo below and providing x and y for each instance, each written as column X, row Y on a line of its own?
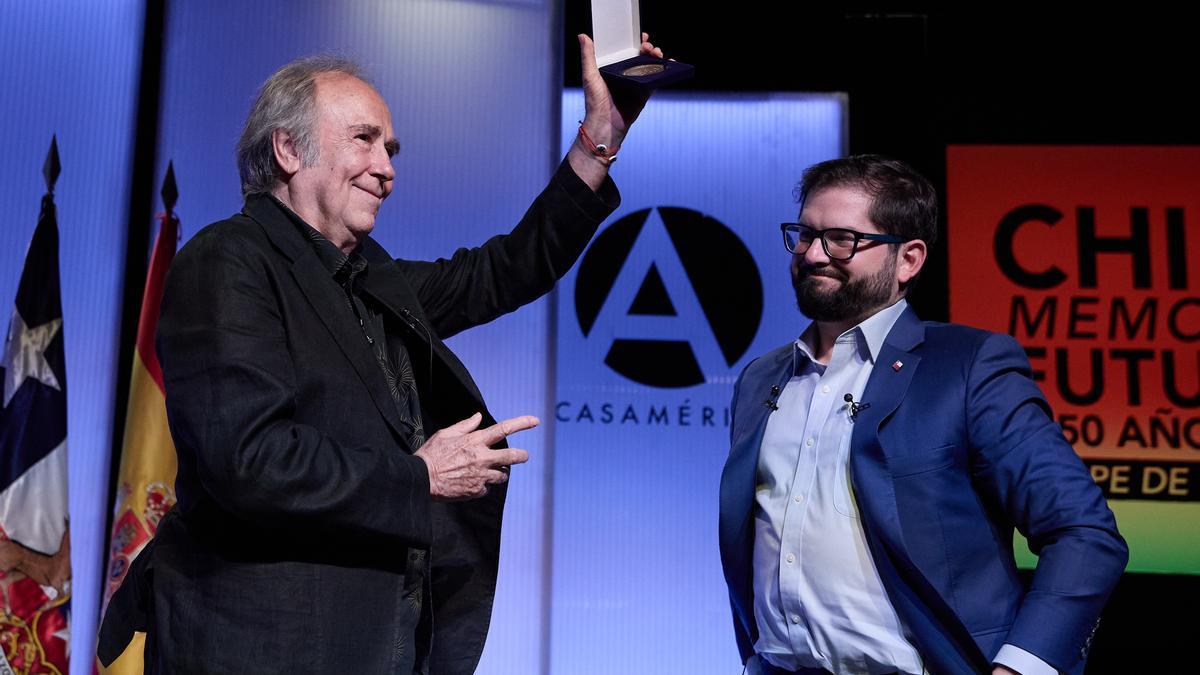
column 815, row 255
column 381, row 166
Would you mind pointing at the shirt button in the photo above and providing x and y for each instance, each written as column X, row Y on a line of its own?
column 795, row 618
column 825, row 389
column 809, row 442
column 797, row 499
column 791, row 558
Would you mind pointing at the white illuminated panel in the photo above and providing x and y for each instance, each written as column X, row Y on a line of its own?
column 637, row 584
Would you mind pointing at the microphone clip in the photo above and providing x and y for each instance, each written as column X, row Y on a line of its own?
column 772, row 401
column 855, row 406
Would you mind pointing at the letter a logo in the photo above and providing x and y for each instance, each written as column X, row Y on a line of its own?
column 666, row 295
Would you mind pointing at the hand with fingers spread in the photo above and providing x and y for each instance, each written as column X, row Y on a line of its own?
column 607, row 114
column 462, row 462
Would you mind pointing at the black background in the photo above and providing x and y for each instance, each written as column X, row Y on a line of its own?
column 920, row 77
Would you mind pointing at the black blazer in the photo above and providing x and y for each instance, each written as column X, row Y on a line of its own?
column 303, row 524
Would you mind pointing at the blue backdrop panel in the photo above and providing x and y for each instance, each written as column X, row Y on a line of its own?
column 686, row 283
column 473, row 89
column 71, row 69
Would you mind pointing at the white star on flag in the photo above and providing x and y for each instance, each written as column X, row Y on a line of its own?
column 25, row 354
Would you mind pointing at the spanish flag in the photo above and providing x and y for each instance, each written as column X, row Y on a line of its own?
column 146, row 481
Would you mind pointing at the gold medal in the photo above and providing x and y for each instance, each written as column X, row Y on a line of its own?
column 644, row 70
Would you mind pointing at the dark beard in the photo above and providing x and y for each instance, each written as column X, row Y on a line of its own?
column 854, row 299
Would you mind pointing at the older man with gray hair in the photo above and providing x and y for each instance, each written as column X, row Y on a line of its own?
column 341, row 481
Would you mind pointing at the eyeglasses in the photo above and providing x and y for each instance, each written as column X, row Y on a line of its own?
column 839, row 244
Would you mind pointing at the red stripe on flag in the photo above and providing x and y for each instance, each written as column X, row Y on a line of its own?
column 160, row 261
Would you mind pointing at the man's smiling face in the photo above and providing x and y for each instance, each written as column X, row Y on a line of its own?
column 340, row 193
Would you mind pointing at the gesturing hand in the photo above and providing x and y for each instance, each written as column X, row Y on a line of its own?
column 462, row 462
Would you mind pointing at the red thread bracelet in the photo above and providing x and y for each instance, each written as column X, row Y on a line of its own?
column 598, row 150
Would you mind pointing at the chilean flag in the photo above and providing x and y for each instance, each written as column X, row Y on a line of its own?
column 35, row 548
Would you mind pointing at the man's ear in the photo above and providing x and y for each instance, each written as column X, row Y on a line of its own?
column 287, row 155
column 909, row 261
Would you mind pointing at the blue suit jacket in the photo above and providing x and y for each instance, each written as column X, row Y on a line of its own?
column 956, row 448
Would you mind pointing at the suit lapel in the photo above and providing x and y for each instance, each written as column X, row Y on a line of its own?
column 894, row 369
column 328, row 302
column 940, row 634
column 387, row 285
column 752, row 410
column 752, row 413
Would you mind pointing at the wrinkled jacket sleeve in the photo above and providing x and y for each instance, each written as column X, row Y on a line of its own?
column 1024, row 464
column 475, row 286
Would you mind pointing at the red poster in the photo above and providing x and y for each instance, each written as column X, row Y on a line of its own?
column 1088, row 257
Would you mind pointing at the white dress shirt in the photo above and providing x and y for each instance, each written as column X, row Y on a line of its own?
column 818, row 599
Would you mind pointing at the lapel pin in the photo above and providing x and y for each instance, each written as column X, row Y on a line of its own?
column 897, row 366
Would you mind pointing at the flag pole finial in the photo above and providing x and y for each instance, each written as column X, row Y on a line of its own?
column 51, row 168
column 170, row 194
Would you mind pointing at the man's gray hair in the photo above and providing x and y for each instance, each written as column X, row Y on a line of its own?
column 287, row 101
